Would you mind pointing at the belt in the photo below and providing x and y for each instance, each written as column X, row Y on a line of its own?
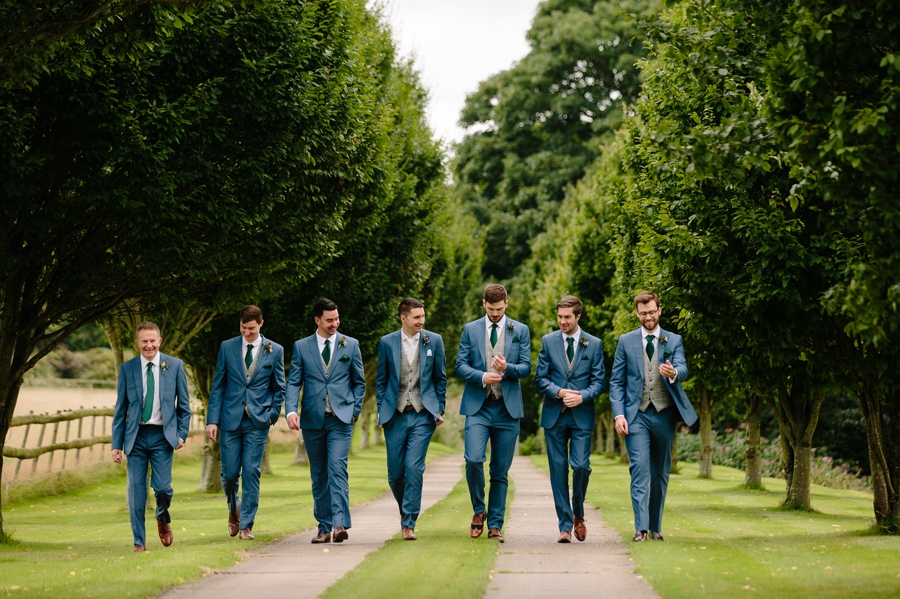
column 409, row 408
column 492, row 397
column 328, row 414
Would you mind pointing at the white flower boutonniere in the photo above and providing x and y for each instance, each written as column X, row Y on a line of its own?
column 510, row 327
column 583, row 342
column 163, row 366
column 663, row 339
column 267, row 347
column 342, row 342
column 425, row 340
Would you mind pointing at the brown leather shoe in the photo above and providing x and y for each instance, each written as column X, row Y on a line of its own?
column 494, row 534
column 564, row 537
column 580, row 529
column 408, row 534
column 322, row 537
column 139, row 549
column 339, row 534
column 234, row 524
column 246, row 535
column 165, row 533
column 477, row 526
column 640, row 536
column 656, row 536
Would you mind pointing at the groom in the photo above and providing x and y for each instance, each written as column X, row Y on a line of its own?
column 647, row 401
column 151, row 420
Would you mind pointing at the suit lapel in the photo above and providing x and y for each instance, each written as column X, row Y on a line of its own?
column 397, row 348
column 558, row 345
column 422, row 354
column 312, row 347
column 507, row 344
column 240, row 359
column 480, row 340
column 162, row 379
column 138, row 379
column 637, row 351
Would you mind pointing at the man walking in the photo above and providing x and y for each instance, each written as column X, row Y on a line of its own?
column 151, row 420
column 570, row 374
column 245, row 401
column 410, row 390
column 329, row 368
column 647, row 401
column 494, row 353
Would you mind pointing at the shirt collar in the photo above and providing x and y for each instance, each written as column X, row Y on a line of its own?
column 255, row 344
column 500, row 325
column 145, row 361
column 405, row 338
column 321, row 340
column 576, row 336
column 644, row 333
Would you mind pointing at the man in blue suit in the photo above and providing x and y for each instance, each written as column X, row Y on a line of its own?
column 494, row 353
column 151, row 420
column 329, row 368
column 410, row 388
column 647, row 401
column 570, row 374
column 245, row 401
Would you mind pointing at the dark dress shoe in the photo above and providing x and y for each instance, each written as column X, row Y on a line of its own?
column 494, row 534
column 139, row 549
column 340, row 534
column 640, row 536
column 322, row 537
column 580, row 529
column 246, row 534
column 656, row 536
column 477, row 526
column 165, row 533
column 234, row 525
column 564, row 537
column 408, row 534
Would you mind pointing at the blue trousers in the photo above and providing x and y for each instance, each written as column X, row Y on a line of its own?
column 328, row 448
column 407, row 435
column 568, row 445
column 242, row 452
column 150, row 447
column 491, row 423
column 649, row 443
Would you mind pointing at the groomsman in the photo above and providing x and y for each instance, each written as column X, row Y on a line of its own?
column 151, row 420
column 570, row 374
column 494, row 353
column 329, row 368
column 410, row 389
column 647, row 401
column 245, row 401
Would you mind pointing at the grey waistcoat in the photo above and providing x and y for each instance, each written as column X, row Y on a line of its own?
column 408, row 393
column 491, row 353
column 655, row 391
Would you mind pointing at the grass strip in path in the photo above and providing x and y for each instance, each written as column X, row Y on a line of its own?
column 444, row 563
column 725, row 541
column 79, row 544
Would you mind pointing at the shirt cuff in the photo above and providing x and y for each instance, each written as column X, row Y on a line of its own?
column 291, row 414
column 483, row 384
column 617, row 417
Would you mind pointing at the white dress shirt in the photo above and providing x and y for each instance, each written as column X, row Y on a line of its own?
column 500, row 326
column 320, row 341
column 576, row 336
column 255, row 345
column 156, row 415
column 410, row 346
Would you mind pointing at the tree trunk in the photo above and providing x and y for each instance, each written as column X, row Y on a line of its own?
column 884, row 455
column 797, row 411
column 369, row 406
column 9, row 393
column 675, row 469
column 301, row 458
column 753, row 471
column 610, row 424
column 210, row 467
column 114, row 335
column 623, row 450
column 265, row 467
column 705, row 435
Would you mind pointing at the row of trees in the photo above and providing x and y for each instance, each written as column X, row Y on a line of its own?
column 752, row 183
column 175, row 161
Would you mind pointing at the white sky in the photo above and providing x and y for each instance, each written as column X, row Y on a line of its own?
column 457, row 44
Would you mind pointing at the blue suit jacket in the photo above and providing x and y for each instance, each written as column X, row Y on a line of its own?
column 174, row 401
column 263, row 394
column 588, row 375
column 626, row 384
column 345, row 385
column 471, row 364
column 432, row 374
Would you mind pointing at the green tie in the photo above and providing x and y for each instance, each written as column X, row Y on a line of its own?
column 148, row 398
column 248, row 359
column 326, row 353
column 493, row 334
column 570, row 351
column 650, row 346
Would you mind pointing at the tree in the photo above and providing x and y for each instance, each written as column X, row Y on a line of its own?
column 230, row 153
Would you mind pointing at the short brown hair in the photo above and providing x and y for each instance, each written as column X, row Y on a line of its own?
column 407, row 306
column 251, row 312
column 645, row 297
column 494, row 293
column 570, row 301
column 147, row 326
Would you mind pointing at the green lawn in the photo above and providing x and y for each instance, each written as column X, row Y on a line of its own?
column 79, row 544
column 444, row 563
column 724, row 541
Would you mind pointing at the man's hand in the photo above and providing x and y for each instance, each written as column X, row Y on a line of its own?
column 570, row 397
column 439, row 421
column 117, row 456
column 212, row 432
column 180, row 444
column 667, row 370
column 293, row 421
column 499, row 363
column 621, row 425
column 491, row 378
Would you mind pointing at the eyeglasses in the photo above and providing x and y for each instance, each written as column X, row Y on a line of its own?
column 646, row 314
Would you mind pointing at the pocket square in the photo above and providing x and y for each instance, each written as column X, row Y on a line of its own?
column 344, row 358
column 267, row 366
column 515, row 339
column 584, row 357
column 428, row 353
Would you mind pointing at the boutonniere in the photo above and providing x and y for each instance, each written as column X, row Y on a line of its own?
column 425, row 339
column 510, row 327
column 267, row 347
column 342, row 343
column 583, row 342
column 163, row 366
column 344, row 358
column 663, row 339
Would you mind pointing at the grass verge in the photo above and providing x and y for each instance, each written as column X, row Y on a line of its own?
column 444, row 563
column 726, row 541
column 79, row 544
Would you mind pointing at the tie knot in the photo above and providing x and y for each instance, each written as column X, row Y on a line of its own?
column 327, row 342
column 650, row 338
column 570, row 340
column 494, row 325
column 149, row 365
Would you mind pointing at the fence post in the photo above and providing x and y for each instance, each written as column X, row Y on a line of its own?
column 66, row 440
column 78, row 451
column 103, row 431
column 40, row 443
column 93, row 422
column 53, row 442
column 24, row 441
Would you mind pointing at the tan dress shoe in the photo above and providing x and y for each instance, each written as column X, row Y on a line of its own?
column 234, row 524
column 139, row 549
column 640, row 536
column 321, row 537
column 408, row 534
column 246, row 534
column 165, row 533
column 339, row 534
column 477, row 526
column 494, row 534
column 564, row 537
column 656, row 536
column 580, row 529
